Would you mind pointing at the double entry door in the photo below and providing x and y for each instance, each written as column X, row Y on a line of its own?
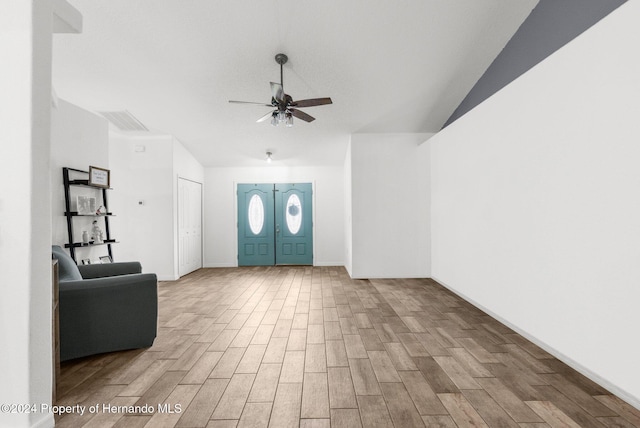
column 275, row 224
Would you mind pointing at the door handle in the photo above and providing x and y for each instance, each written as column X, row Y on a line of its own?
column 277, row 229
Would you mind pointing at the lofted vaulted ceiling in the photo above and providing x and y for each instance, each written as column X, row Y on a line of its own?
column 401, row 66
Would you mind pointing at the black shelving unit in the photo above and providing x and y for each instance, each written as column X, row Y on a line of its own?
column 70, row 215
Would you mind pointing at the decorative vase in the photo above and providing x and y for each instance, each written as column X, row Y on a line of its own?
column 85, row 237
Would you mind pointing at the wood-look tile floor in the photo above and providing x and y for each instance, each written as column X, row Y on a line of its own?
column 310, row 347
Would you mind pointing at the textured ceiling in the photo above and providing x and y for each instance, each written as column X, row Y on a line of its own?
column 400, row 66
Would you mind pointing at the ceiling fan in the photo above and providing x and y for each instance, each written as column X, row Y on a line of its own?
column 285, row 108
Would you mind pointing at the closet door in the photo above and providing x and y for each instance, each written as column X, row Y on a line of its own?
column 189, row 226
column 255, row 225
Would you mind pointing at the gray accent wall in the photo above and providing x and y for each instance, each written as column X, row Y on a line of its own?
column 551, row 25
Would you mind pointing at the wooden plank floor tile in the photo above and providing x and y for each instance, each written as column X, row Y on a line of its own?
column 551, row 414
column 354, row 346
column 490, row 411
column 374, row 412
column 286, row 406
column 336, row 353
column 234, row 398
column 202, row 368
column 292, row 367
column 341, row 392
column 401, row 407
column 306, row 346
column 275, row 350
column 439, row 422
column 400, row 357
column 266, row 382
column 255, row 415
column 226, row 367
column 514, row 406
column 205, row 401
column 463, row 413
column 425, row 400
column 315, row 396
column 251, row 359
column 315, row 358
column 345, row 418
column 383, row 366
column 363, row 376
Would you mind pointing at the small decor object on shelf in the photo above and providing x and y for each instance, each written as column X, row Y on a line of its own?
column 101, row 210
column 86, row 205
column 105, row 259
column 85, row 237
column 86, row 261
column 99, row 177
column 96, row 233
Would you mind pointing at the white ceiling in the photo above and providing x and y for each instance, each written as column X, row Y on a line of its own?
column 389, row 66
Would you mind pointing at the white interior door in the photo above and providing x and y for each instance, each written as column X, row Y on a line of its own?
column 189, row 226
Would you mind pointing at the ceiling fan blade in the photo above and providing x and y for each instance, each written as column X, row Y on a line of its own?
column 302, row 115
column 312, row 102
column 265, row 117
column 250, row 102
column 277, row 92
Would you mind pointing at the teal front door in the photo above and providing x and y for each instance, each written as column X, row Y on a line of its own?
column 294, row 237
column 275, row 224
column 255, row 225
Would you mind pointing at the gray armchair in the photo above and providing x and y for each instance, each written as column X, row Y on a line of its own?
column 104, row 307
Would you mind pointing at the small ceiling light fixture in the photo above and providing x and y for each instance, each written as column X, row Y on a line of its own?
column 269, row 159
column 278, row 117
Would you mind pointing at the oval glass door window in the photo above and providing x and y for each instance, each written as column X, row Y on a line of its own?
column 294, row 214
column 255, row 214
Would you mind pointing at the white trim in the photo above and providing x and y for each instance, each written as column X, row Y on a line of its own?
column 220, row 265
column 47, row 421
column 619, row 392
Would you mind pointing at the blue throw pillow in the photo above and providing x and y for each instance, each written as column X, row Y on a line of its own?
column 67, row 268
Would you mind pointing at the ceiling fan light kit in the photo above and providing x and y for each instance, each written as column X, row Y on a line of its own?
column 285, row 107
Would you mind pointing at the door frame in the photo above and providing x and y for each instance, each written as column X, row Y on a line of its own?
column 313, row 209
column 177, row 224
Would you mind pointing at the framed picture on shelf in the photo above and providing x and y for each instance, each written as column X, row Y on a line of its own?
column 99, row 177
column 86, row 261
column 86, row 205
column 105, row 259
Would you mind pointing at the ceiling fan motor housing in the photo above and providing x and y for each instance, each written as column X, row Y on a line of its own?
column 281, row 58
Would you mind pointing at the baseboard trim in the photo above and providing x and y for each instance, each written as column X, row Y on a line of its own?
column 47, row 421
column 616, row 390
column 220, row 265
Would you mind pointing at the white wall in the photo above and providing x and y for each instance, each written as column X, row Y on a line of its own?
column 25, row 203
column 535, row 207
column 145, row 171
column 220, row 210
column 390, row 206
column 79, row 139
column 142, row 199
